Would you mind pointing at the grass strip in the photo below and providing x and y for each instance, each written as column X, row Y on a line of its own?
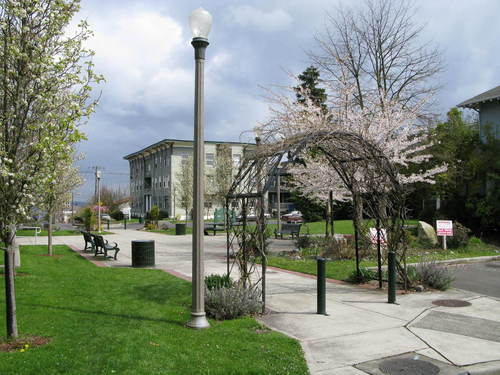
column 129, row 321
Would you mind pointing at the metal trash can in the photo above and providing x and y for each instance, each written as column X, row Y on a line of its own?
column 143, row 253
column 180, row 229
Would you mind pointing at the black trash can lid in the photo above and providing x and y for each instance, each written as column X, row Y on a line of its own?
column 143, row 241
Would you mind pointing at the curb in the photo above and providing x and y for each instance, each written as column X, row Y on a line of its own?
column 454, row 261
column 489, row 368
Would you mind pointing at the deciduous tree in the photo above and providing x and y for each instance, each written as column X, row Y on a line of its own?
column 46, row 78
column 184, row 185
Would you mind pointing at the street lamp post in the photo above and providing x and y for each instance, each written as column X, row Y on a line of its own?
column 200, row 22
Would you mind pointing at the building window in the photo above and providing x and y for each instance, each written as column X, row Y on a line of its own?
column 209, row 159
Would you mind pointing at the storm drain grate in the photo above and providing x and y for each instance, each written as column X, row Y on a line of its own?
column 451, row 303
column 406, row 366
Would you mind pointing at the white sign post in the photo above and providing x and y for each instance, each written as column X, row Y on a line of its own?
column 444, row 228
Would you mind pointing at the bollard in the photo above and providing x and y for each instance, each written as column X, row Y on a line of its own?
column 321, row 286
column 124, row 223
column 108, row 224
column 391, row 269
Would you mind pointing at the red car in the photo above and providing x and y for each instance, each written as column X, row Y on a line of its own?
column 293, row 217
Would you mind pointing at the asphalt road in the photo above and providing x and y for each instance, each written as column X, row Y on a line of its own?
column 481, row 278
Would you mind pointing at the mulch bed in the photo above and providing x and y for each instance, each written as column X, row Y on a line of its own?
column 23, row 343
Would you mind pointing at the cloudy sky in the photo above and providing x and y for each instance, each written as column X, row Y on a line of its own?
column 143, row 50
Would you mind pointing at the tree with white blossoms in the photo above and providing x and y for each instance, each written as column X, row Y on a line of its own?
column 57, row 193
column 386, row 124
column 46, row 78
column 184, row 185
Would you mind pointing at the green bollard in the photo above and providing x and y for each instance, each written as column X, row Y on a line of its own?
column 391, row 269
column 108, row 224
column 124, row 223
column 321, row 286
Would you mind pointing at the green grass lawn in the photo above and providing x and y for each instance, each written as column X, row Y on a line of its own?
column 341, row 269
column 340, row 226
column 129, row 321
column 337, row 269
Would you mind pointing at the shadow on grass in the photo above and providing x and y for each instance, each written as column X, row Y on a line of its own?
column 158, row 293
column 104, row 313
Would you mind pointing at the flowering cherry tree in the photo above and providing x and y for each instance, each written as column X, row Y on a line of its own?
column 46, row 78
column 57, row 193
column 389, row 131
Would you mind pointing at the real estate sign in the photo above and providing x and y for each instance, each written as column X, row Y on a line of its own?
column 444, row 227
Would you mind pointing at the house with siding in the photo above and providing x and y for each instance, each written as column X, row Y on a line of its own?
column 487, row 105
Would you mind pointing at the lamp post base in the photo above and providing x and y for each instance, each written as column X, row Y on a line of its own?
column 198, row 321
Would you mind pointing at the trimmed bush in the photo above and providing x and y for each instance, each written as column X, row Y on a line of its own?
column 364, row 276
column 475, row 241
column 215, row 281
column 231, row 303
column 304, row 242
column 434, row 275
column 117, row 215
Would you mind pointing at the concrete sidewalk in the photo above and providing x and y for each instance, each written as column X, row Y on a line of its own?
column 362, row 332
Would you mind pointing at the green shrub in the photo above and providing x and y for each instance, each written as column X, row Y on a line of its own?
column 364, row 276
column 304, row 242
column 435, row 276
column 215, row 281
column 340, row 248
column 233, row 302
column 89, row 219
column 413, row 275
column 150, row 225
column 117, row 215
column 475, row 241
column 460, row 236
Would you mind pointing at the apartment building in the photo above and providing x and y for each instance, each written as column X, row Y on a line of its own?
column 154, row 171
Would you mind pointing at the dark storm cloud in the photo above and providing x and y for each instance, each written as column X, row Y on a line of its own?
column 143, row 49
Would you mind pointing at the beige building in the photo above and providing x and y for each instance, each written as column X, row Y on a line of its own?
column 153, row 172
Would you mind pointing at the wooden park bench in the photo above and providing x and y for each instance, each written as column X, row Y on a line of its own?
column 292, row 229
column 214, row 227
column 102, row 246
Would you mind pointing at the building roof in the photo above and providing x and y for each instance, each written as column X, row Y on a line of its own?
column 167, row 141
column 490, row 95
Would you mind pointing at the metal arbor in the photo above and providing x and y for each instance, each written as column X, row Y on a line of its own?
column 350, row 155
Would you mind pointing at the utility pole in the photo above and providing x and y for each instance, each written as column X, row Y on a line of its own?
column 278, row 194
column 96, row 169
column 98, row 179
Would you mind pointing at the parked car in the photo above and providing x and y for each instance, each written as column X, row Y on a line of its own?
column 293, row 217
column 105, row 217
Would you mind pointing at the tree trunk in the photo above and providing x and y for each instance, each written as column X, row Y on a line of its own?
column 357, row 221
column 327, row 217
column 330, row 201
column 10, row 293
column 50, row 234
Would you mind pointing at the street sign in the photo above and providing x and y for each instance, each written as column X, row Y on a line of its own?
column 444, row 227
